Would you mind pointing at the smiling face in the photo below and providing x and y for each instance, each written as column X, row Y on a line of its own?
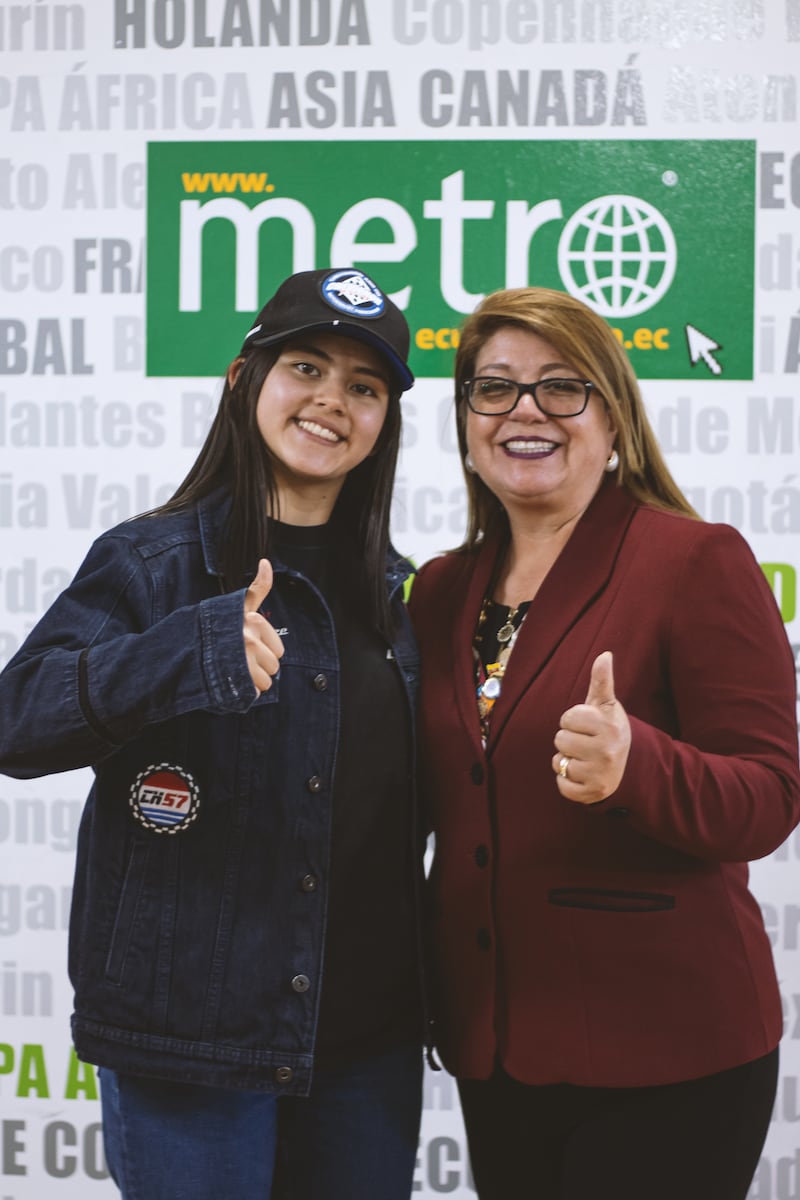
column 320, row 412
column 534, row 463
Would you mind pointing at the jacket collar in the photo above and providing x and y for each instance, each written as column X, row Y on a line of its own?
column 581, row 571
column 212, row 513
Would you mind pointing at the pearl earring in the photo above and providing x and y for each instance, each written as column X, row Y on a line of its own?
column 613, row 461
column 469, row 465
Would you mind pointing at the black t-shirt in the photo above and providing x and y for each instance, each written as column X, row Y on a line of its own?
column 369, row 997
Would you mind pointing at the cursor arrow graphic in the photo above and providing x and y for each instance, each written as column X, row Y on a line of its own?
column 701, row 346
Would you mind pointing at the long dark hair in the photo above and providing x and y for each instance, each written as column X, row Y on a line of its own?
column 235, row 457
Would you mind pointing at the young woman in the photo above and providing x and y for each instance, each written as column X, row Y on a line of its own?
column 238, row 669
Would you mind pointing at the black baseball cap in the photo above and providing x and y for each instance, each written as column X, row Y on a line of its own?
column 341, row 300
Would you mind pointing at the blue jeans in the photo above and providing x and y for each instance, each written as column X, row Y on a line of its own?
column 353, row 1138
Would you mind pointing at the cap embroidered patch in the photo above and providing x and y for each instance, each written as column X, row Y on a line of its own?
column 165, row 798
column 339, row 300
column 353, row 293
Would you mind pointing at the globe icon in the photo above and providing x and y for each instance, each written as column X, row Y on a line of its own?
column 618, row 255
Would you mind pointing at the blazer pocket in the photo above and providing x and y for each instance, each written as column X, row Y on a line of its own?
column 610, row 900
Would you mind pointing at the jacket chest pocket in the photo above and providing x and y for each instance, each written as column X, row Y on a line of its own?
column 172, row 782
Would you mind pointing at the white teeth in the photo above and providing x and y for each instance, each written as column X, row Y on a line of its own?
column 529, row 446
column 319, row 431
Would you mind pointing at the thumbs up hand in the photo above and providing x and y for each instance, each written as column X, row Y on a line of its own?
column 263, row 647
column 594, row 740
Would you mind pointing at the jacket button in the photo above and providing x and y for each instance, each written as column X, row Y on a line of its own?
column 618, row 812
column 309, row 883
column 284, row 1075
column 484, row 939
column 301, row 983
column 314, row 784
column 482, row 855
column 321, row 682
column 477, row 773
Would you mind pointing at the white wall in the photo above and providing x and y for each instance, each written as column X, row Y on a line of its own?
column 72, row 167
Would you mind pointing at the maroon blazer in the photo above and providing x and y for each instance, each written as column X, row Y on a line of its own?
column 616, row 944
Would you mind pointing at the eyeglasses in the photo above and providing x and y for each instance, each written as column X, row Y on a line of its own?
column 489, row 395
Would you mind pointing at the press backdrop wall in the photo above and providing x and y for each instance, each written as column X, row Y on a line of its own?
column 448, row 147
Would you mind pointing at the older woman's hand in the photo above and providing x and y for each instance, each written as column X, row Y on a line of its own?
column 594, row 740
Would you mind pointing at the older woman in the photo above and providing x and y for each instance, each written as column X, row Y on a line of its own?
column 608, row 712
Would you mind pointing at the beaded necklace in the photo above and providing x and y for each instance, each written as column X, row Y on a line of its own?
column 489, row 678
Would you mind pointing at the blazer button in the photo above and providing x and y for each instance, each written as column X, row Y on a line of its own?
column 309, row 883
column 301, row 983
column 484, row 939
column 314, row 784
column 482, row 856
column 477, row 773
column 284, row 1075
column 321, row 682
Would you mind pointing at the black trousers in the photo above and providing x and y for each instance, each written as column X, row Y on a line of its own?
column 699, row 1140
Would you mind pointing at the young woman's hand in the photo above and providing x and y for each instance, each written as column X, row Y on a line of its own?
column 263, row 647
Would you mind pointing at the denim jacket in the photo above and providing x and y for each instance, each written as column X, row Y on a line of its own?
column 199, row 908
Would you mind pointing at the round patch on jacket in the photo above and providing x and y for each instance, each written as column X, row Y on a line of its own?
column 165, row 798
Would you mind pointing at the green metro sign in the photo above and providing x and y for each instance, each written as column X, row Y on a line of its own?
column 655, row 236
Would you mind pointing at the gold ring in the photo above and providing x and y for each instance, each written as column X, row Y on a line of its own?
column 563, row 763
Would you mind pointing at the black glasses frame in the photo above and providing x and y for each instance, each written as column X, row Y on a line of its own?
column 522, row 390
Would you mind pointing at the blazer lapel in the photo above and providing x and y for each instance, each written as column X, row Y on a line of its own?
column 579, row 574
column 463, row 633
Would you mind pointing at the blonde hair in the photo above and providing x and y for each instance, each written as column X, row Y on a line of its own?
column 590, row 346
